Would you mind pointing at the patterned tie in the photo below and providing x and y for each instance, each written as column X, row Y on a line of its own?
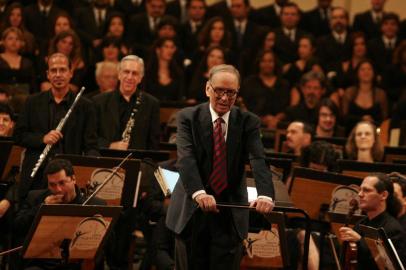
column 218, row 176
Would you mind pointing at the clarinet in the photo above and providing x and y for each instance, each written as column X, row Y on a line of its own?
column 126, row 135
column 58, row 128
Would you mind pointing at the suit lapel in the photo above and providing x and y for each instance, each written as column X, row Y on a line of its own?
column 206, row 130
column 232, row 138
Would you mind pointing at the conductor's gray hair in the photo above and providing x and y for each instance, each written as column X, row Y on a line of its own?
column 224, row 68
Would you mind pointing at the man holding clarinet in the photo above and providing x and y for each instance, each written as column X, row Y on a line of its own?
column 54, row 122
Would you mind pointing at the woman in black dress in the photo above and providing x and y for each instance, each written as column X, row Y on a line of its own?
column 164, row 78
column 266, row 93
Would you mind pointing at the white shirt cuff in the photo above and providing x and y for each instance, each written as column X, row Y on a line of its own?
column 194, row 195
column 264, row 197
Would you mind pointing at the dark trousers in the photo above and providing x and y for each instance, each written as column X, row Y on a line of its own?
column 209, row 241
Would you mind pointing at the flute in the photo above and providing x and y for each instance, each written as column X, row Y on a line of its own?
column 58, row 128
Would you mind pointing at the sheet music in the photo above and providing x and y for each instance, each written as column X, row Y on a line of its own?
column 171, row 178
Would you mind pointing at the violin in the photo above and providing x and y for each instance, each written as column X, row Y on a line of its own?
column 349, row 253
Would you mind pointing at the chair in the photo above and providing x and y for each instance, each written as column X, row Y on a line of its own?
column 363, row 169
column 392, row 153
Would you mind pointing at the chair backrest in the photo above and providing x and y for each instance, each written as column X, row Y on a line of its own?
column 363, row 169
column 312, row 190
column 394, row 153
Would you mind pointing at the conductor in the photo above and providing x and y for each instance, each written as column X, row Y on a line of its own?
column 214, row 141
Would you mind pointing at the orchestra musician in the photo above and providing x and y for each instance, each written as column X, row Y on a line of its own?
column 209, row 237
column 62, row 189
column 6, row 120
column 36, row 125
column 116, row 109
column 378, row 202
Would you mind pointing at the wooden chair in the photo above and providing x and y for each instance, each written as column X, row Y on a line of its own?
column 280, row 138
column 166, row 112
column 363, row 169
column 394, row 153
column 384, row 131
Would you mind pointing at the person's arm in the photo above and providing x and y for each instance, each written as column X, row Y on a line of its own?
column 261, row 172
column 187, row 162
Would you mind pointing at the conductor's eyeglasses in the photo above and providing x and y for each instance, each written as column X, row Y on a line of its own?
column 220, row 92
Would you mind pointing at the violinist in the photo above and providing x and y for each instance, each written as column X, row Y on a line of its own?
column 378, row 202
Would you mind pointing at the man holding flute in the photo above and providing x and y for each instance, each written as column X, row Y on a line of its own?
column 36, row 125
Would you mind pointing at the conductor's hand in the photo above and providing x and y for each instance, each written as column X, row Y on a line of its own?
column 54, row 199
column 120, row 145
column 348, row 234
column 52, row 137
column 207, row 203
column 263, row 205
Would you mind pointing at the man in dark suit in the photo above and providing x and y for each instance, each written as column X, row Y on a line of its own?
column 211, row 166
column 116, row 109
column 37, row 18
column 369, row 21
column 336, row 46
column 191, row 28
column 317, row 20
column 91, row 23
column 36, row 125
column 221, row 9
column 287, row 36
column 381, row 49
column 143, row 26
column 130, row 7
column 269, row 15
column 245, row 34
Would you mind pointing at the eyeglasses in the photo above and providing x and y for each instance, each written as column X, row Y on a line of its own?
column 220, row 92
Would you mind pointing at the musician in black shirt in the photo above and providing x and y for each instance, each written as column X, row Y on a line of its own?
column 378, row 201
column 116, row 109
column 36, row 126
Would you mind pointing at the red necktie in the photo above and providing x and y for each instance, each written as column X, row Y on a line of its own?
column 218, row 176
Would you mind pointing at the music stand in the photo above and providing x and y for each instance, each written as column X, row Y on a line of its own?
column 122, row 191
column 10, row 156
column 267, row 246
column 69, row 232
column 382, row 249
column 155, row 155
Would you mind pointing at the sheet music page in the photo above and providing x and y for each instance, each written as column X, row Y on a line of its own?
column 171, row 178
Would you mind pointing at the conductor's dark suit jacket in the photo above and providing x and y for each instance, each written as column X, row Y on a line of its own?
column 195, row 151
column 145, row 133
